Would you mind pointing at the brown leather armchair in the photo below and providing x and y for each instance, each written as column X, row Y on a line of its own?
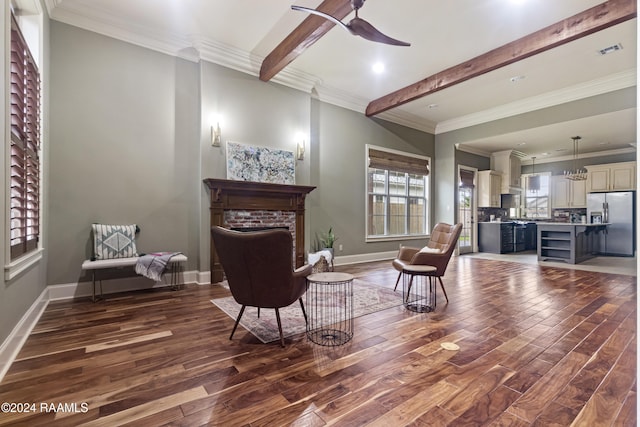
column 443, row 239
column 259, row 268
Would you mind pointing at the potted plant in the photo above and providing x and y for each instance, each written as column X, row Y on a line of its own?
column 327, row 240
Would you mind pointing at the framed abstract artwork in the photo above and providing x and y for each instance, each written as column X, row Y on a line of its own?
column 260, row 164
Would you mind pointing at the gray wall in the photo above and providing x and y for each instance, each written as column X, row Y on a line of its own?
column 18, row 294
column 131, row 143
column 339, row 172
column 124, row 147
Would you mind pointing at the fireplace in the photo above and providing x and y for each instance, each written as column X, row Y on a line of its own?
column 242, row 204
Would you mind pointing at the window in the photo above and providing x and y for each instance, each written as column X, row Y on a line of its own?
column 397, row 194
column 536, row 201
column 25, row 147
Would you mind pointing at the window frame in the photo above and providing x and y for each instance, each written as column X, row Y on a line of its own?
column 28, row 141
column 387, row 195
column 523, row 198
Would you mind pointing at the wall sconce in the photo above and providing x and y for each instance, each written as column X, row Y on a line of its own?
column 300, row 150
column 216, row 136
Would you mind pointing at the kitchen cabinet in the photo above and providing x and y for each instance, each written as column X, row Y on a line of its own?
column 566, row 193
column 611, row 177
column 489, row 183
column 531, row 236
column 570, row 243
column 495, row 237
column 508, row 164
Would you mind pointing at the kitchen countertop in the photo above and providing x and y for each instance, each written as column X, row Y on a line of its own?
column 575, row 224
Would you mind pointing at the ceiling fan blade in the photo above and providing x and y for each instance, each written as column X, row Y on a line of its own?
column 322, row 14
column 362, row 28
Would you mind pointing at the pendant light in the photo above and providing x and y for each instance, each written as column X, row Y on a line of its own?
column 534, row 180
column 575, row 174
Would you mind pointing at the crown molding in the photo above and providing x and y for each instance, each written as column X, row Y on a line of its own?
column 408, row 120
column 245, row 62
column 581, row 156
column 473, row 150
column 606, row 84
column 112, row 26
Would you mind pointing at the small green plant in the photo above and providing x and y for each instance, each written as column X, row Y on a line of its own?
column 328, row 239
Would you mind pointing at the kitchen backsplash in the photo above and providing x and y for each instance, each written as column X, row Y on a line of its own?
column 557, row 215
column 484, row 214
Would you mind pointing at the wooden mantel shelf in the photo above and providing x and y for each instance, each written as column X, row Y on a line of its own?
column 246, row 195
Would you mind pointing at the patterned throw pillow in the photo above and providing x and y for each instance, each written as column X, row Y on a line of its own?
column 114, row 241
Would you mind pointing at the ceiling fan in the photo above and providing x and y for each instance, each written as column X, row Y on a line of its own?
column 357, row 26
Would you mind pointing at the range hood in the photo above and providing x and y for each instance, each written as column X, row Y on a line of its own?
column 508, row 201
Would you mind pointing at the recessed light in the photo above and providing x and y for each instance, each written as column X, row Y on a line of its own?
column 432, row 106
column 604, row 143
column 520, row 144
column 378, row 68
column 562, row 149
column 545, row 154
column 516, row 79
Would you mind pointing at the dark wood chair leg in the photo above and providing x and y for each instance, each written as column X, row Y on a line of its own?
column 397, row 281
column 442, row 286
column 258, row 312
column 304, row 313
column 237, row 321
column 279, row 328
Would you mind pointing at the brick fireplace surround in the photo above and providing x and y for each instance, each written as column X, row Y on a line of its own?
column 239, row 204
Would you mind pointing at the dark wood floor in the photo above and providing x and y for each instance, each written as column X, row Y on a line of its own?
column 538, row 346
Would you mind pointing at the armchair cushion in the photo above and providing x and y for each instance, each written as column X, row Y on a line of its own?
column 429, row 250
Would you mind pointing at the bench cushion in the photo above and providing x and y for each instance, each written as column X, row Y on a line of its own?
column 122, row 262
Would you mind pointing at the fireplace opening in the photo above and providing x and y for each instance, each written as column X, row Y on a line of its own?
column 248, row 229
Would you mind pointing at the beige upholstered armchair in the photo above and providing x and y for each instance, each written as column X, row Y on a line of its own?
column 259, row 269
column 437, row 252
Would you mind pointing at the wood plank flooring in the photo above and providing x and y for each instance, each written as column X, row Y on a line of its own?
column 539, row 346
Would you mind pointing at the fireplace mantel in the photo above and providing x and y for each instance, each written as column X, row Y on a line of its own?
column 246, row 195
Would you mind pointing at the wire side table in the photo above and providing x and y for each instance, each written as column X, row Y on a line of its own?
column 418, row 288
column 330, row 306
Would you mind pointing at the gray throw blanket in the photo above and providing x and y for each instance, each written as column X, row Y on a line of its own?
column 153, row 265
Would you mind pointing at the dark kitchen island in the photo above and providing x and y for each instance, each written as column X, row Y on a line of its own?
column 570, row 243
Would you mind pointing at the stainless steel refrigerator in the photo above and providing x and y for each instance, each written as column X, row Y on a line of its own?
column 618, row 209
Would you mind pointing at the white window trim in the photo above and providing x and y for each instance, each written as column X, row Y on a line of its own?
column 19, row 265
column 398, row 237
column 523, row 198
column 33, row 14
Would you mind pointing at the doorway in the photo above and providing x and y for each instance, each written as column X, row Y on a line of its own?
column 466, row 209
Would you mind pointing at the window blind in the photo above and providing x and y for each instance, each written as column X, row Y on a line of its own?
column 397, row 162
column 466, row 178
column 25, row 146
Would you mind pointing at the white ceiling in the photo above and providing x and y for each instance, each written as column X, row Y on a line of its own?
column 240, row 33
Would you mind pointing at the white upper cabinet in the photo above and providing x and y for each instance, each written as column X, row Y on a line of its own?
column 566, row 193
column 507, row 163
column 611, row 177
column 489, row 183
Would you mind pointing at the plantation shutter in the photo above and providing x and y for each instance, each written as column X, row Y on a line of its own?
column 379, row 159
column 25, row 146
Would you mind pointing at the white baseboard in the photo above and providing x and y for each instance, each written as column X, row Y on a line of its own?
column 16, row 339
column 203, row 278
column 360, row 258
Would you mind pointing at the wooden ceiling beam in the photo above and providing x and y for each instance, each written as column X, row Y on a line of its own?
column 306, row 34
column 592, row 20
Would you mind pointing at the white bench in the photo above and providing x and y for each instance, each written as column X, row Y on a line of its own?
column 174, row 267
